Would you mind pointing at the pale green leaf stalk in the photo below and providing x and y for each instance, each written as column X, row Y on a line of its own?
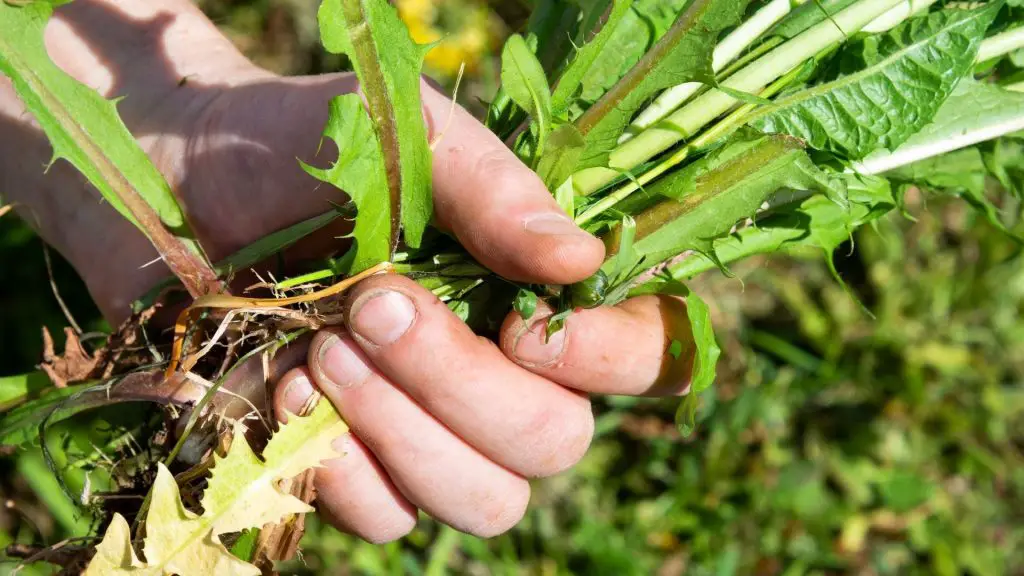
column 698, row 113
column 388, row 65
column 1002, row 44
column 901, row 80
column 85, row 129
column 683, row 54
column 974, row 113
column 360, row 172
column 523, row 79
column 727, row 50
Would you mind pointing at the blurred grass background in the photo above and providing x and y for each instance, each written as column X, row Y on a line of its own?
column 833, row 443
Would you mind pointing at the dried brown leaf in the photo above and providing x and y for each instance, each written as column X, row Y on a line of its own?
column 74, row 365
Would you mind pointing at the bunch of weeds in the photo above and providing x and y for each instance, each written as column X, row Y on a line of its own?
column 748, row 148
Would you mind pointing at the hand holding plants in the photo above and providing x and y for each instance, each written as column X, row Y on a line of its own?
column 442, row 420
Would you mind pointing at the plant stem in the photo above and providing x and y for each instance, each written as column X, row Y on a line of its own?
column 1001, row 44
column 890, row 19
column 378, row 102
column 906, row 155
column 731, row 122
column 761, row 49
column 727, row 50
column 753, row 78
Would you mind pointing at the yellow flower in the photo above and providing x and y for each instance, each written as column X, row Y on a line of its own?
column 464, row 34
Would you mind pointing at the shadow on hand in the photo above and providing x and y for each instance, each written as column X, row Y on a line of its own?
column 231, row 156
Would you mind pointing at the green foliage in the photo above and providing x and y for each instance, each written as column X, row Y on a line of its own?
column 682, row 55
column 17, row 389
column 892, row 85
column 523, row 79
column 388, row 64
column 708, row 198
column 640, row 28
column 580, row 70
column 359, row 171
column 21, row 425
column 816, row 222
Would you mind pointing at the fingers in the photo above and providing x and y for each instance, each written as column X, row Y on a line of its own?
column 623, row 350
column 428, row 463
column 515, row 418
column 498, row 208
column 354, row 492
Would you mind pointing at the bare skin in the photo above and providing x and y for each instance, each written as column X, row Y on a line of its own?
column 442, row 420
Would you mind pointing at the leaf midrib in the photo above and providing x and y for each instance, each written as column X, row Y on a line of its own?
column 878, row 68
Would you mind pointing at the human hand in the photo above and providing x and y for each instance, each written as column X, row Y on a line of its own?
column 445, row 422
column 441, row 419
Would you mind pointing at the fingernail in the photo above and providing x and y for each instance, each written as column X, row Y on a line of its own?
column 551, row 224
column 340, row 363
column 297, row 393
column 534, row 348
column 384, row 317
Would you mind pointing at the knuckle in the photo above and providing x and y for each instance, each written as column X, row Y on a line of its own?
column 558, row 438
column 499, row 511
column 502, row 171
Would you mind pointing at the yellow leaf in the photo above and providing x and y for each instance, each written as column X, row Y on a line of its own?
column 242, row 493
column 114, row 554
column 180, row 542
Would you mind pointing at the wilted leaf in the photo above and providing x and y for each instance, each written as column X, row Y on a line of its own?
column 74, row 365
column 242, row 493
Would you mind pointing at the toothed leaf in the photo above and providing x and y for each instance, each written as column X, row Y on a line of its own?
column 710, row 197
column 684, row 54
column 522, row 77
column 388, row 65
column 85, row 129
column 359, row 171
column 242, row 493
column 901, row 79
column 576, row 73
